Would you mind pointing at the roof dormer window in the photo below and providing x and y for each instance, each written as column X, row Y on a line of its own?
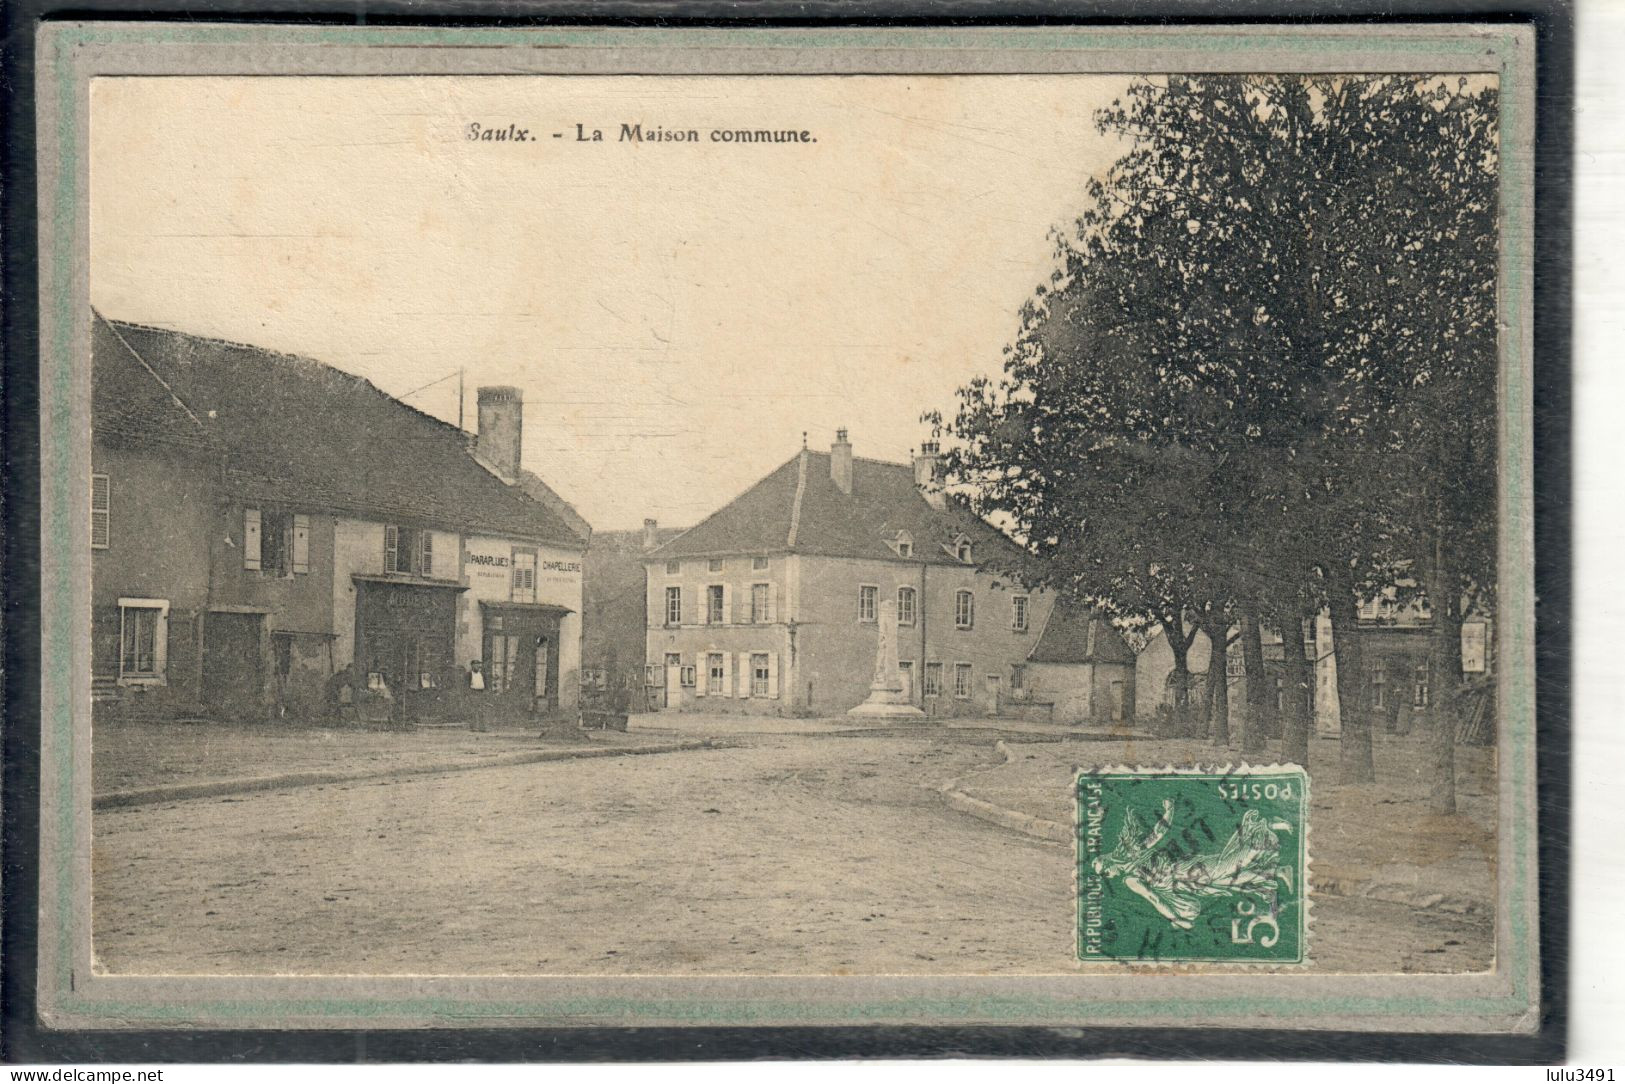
column 962, row 551
column 902, row 544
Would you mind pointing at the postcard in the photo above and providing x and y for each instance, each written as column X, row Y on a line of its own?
column 780, row 527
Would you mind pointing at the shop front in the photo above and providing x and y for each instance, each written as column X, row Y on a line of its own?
column 520, row 652
column 405, row 634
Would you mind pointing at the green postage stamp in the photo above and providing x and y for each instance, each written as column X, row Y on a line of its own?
column 1193, row 865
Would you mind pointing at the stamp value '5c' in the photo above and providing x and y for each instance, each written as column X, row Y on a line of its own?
column 1192, row 865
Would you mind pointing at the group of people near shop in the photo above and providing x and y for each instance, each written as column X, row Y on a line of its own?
column 373, row 699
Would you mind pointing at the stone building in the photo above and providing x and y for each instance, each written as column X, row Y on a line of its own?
column 771, row 604
column 262, row 521
column 1081, row 669
column 614, row 611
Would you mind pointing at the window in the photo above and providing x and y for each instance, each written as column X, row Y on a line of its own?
column 962, row 680
column 1018, row 613
column 101, row 499
column 933, row 679
column 758, row 564
column 905, row 605
column 964, row 610
column 674, row 605
column 1280, row 694
column 715, row 597
column 673, row 567
column 867, row 596
column 1379, row 684
column 276, row 542
column 1419, row 694
column 1018, row 676
column 758, row 675
column 524, row 576
column 761, row 603
column 409, row 550
column 962, row 551
column 716, row 673
column 715, row 564
column 687, row 677
column 143, row 640
column 905, row 548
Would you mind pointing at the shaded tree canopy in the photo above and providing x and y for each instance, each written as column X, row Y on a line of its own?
column 1268, row 346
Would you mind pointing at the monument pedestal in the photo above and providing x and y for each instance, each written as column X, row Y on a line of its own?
column 886, row 699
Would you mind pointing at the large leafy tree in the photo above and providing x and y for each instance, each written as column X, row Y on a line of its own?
column 1249, row 389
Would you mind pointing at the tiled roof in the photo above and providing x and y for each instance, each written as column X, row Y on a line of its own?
column 296, row 430
column 532, row 484
column 1076, row 633
column 798, row 508
column 129, row 400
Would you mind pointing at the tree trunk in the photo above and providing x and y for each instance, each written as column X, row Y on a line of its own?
column 1299, row 680
column 1255, row 720
column 1174, row 633
column 1218, row 689
column 1443, row 587
column 1354, row 753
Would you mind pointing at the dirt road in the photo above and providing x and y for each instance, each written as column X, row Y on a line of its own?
column 788, row 854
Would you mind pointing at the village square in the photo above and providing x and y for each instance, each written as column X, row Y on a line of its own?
column 384, row 689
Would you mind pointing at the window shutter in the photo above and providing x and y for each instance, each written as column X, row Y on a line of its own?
column 773, row 676
column 301, row 544
column 251, row 538
column 702, row 674
column 426, row 556
column 100, row 511
column 392, row 542
column 772, row 603
column 727, row 605
column 727, row 673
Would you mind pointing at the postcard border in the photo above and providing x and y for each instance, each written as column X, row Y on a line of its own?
column 71, row 996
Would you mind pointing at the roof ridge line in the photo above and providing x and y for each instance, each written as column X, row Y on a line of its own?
column 136, row 354
column 735, row 499
column 795, row 505
column 283, row 355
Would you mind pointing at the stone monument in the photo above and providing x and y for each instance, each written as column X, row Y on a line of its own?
column 887, row 698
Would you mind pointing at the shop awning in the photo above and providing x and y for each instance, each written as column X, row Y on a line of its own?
column 540, row 609
column 409, row 581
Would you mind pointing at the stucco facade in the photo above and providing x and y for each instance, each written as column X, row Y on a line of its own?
column 772, row 606
column 238, row 569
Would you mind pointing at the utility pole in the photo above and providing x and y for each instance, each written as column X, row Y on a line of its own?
column 460, row 399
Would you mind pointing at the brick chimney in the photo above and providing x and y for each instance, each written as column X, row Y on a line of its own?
column 501, row 423
column 928, row 474
column 840, row 461
column 651, row 535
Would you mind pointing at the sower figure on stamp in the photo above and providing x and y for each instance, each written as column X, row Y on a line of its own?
column 1179, row 888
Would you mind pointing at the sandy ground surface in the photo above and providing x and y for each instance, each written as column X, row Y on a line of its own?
column 128, row 755
column 1373, row 833
column 786, row 853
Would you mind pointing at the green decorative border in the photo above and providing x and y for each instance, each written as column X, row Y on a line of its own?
column 61, row 265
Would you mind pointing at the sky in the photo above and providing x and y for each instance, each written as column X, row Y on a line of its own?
column 677, row 314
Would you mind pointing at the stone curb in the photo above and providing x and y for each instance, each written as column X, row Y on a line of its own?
column 177, row 792
column 1006, row 818
column 1417, row 899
